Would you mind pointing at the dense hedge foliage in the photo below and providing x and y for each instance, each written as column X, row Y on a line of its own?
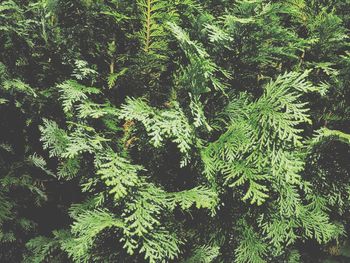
column 174, row 131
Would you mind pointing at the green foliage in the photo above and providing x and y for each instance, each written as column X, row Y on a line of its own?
column 174, row 131
column 256, row 146
column 18, row 86
column 204, row 254
column 201, row 73
column 72, row 92
column 324, row 133
column 162, row 124
column 40, row 247
column 251, row 249
column 118, row 174
column 153, row 33
column 54, row 138
column 86, row 227
column 5, row 209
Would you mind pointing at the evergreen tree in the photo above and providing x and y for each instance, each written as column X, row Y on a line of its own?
column 174, row 131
